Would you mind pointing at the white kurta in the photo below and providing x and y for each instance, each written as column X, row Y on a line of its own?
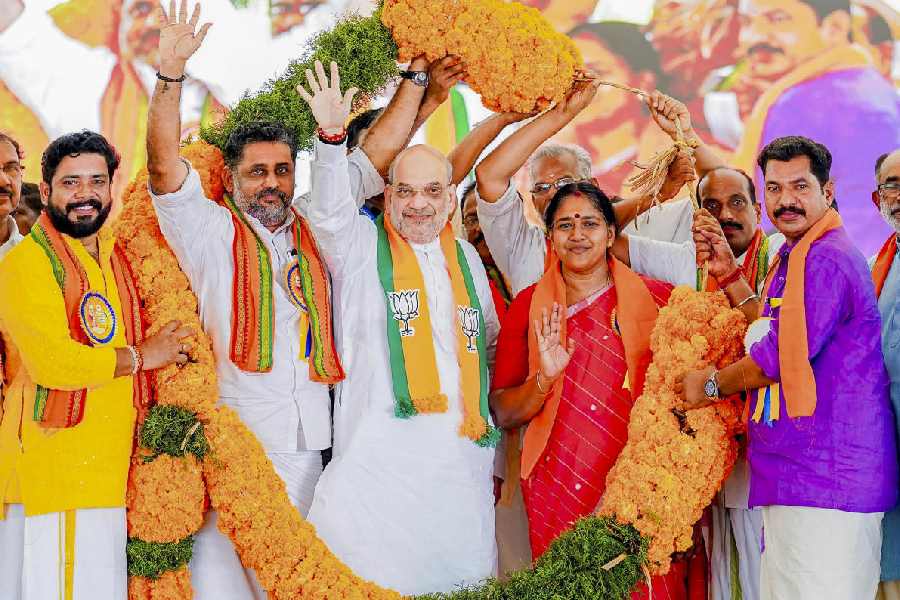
column 519, row 247
column 407, row 503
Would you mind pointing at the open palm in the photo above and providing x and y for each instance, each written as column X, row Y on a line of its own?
column 329, row 107
column 179, row 37
column 554, row 356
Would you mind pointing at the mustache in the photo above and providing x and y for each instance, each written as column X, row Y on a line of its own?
column 734, row 224
column 790, row 209
column 764, row 47
column 5, row 189
column 270, row 192
column 93, row 203
column 419, row 212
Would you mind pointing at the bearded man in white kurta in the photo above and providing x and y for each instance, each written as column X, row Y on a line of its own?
column 407, row 500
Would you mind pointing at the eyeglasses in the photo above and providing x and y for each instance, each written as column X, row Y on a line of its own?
column 12, row 170
column 540, row 189
column 736, row 204
column 435, row 191
column 889, row 191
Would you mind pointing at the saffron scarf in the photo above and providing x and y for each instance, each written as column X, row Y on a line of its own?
column 797, row 379
column 755, row 266
column 64, row 408
column 637, row 313
column 252, row 323
column 415, row 378
column 883, row 263
column 835, row 59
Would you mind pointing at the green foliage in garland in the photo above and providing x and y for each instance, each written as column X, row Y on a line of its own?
column 572, row 568
column 151, row 559
column 166, row 428
column 362, row 47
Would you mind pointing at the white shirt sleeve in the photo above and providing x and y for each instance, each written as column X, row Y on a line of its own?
column 518, row 248
column 669, row 222
column 665, row 261
column 345, row 237
column 190, row 221
column 47, row 70
column 365, row 180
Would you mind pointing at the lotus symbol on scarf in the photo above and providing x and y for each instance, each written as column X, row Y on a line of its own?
column 468, row 320
column 405, row 308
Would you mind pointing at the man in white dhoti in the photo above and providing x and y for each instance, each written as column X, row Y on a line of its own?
column 408, row 499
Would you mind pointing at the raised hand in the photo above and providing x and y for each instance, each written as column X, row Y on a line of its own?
column 329, row 107
column 666, row 110
column 579, row 97
column 554, row 356
column 681, row 171
column 444, row 73
column 712, row 246
column 179, row 38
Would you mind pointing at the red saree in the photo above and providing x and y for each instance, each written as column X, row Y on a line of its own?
column 590, row 429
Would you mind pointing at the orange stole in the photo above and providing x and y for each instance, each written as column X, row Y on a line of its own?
column 797, row 379
column 59, row 408
column 637, row 313
column 883, row 263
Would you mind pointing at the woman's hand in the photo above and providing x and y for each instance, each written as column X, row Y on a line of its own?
column 554, row 356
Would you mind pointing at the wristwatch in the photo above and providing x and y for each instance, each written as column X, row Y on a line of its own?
column 419, row 78
column 711, row 387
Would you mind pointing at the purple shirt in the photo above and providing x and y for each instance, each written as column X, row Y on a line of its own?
column 855, row 113
column 844, row 456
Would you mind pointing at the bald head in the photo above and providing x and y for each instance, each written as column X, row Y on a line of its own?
column 886, row 163
column 420, row 197
column 729, row 195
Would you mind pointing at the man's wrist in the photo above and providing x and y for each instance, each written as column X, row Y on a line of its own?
column 731, row 276
column 172, row 70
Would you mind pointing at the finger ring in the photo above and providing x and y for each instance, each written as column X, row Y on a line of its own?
column 183, row 348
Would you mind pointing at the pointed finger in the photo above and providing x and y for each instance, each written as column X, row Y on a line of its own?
column 335, row 77
column 323, row 78
column 182, row 13
column 195, row 17
column 313, row 85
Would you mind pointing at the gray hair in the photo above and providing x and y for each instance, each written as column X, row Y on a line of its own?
column 433, row 151
column 554, row 150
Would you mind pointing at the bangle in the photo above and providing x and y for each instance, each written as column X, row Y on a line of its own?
column 162, row 77
column 731, row 278
column 537, row 380
column 335, row 139
column 749, row 298
column 137, row 360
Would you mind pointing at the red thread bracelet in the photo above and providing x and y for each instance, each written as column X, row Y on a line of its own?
column 333, row 139
column 731, row 278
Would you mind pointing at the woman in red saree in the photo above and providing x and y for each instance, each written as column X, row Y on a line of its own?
column 572, row 350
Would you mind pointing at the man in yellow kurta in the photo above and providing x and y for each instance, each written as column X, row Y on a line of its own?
column 70, row 317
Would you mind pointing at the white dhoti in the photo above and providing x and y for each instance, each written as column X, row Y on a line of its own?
column 820, row 554
column 12, row 542
column 216, row 570
column 75, row 555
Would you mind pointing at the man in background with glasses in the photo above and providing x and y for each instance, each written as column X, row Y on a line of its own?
column 10, row 192
column 886, row 273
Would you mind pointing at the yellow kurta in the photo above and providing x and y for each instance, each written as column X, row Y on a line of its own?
column 86, row 466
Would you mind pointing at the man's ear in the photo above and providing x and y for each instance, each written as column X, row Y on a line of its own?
column 758, row 208
column 829, row 192
column 228, row 180
column 45, row 193
column 835, row 28
column 876, row 200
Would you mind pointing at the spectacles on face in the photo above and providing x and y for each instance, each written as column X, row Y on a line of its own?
column 12, row 169
column 736, row 204
column 540, row 189
column 889, row 191
column 434, row 191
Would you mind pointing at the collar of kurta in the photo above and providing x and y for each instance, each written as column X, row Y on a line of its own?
column 883, row 263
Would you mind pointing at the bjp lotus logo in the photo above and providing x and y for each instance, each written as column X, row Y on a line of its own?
column 471, row 327
column 405, row 307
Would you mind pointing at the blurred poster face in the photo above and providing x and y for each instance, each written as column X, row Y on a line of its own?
column 564, row 14
column 139, row 31
column 287, row 14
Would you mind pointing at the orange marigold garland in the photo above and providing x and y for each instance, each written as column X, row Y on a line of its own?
column 514, row 59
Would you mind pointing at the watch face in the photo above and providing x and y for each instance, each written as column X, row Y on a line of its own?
column 711, row 389
column 421, row 78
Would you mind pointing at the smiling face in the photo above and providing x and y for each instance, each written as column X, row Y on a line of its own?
column 777, row 35
column 889, row 198
column 262, row 183
column 10, row 179
column 580, row 235
column 726, row 195
column 420, row 196
column 79, row 196
column 795, row 200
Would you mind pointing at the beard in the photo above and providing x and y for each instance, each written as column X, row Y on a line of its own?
column 415, row 232
column 891, row 214
column 267, row 213
column 80, row 228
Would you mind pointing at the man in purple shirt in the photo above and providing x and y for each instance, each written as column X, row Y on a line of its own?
column 822, row 448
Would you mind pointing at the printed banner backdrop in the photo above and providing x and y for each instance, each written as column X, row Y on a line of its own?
column 749, row 70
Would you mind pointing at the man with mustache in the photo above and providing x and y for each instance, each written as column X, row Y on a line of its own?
column 822, row 443
column 407, row 500
column 10, row 192
column 886, row 274
column 76, row 363
column 813, row 81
